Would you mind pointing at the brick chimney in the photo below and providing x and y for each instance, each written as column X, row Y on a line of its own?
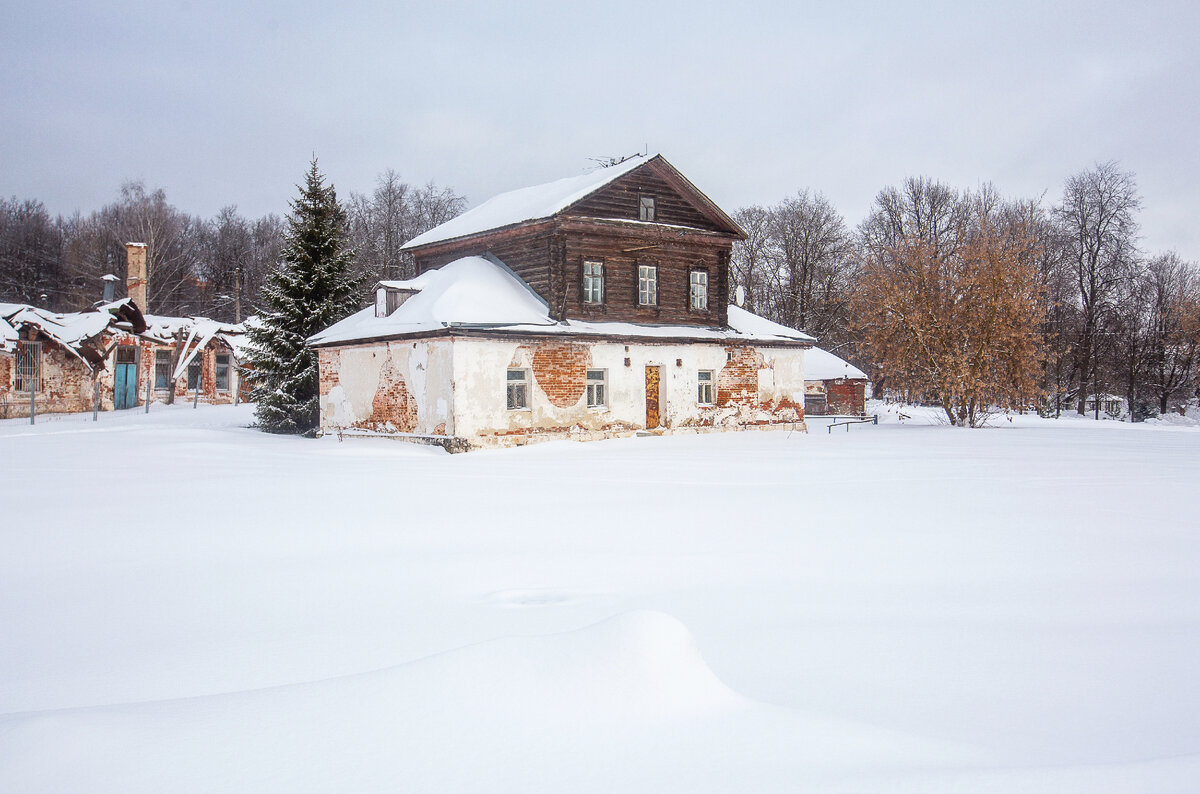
column 135, row 279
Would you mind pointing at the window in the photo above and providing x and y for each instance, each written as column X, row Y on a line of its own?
column 222, row 372
column 597, row 388
column 647, row 285
column 698, row 290
column 593, row 282
column 27, row 372
column 193, row 376
column 518, row 389
column 646, row 208
column 704, row 388
column 162, row 369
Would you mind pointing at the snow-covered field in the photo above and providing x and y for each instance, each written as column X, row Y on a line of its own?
column 189, row 605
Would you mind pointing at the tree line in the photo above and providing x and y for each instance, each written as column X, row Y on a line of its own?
column 962, row 298
column 976, row 302
column 212, row 267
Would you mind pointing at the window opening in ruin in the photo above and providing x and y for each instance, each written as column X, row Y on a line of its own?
column 597, row 388
column 193, row 375
column 518, row 389
column 27, row 372
column 222, row 372
column 593, row 282
column 162, row 369
column 647, row 285
column 704, row 390
column 698, row 290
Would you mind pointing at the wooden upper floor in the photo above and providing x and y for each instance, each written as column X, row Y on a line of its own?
column 638, row 243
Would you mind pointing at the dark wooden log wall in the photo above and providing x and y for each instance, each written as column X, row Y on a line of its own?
column 623, row 249
column 620, row 200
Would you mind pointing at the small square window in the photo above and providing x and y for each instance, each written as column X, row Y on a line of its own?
column 597, row 388
column 698, row 290
column 593, row 282
column 646, row 208
column 704, row 390
column 518, row 389
column 647, row 285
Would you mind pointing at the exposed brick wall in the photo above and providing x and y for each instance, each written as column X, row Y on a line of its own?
column 737, row 382
column 846, row 396
column 329, row 363
column 393, row 407
column 560, row 369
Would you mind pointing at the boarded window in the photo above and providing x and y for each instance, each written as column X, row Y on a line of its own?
column 518, row 389
column 27, row 369
column 193, row 375
column 647, row 285
column 704, row 387
column 646, row 208
column 222, row 372
column 698, row 290
column 162, row 369
column 593, row 282
column 597, row 388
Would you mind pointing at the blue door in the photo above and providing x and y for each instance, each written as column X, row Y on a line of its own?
column 125, row 380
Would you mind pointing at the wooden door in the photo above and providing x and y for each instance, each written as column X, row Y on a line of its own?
column 125, row 378
column 653, row 378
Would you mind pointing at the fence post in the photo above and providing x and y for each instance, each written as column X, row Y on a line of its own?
column 95, row 399
column 32, row 401
column 149, row 386
column 196, row 400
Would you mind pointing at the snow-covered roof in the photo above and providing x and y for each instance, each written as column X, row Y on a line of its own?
column 469, row 291
column 481, row 293
column 527, row 204
column 753, row 325
column 822, row 365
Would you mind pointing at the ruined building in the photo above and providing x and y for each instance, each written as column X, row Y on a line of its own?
column 114, row 356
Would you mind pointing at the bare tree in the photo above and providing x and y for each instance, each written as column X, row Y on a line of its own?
column 394, row 213
column 1172, row 289
column 749, row 261
column 1098, row 216
column 30, row 254
column 810, row 252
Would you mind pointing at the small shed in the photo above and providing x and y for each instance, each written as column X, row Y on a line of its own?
column 833, row 385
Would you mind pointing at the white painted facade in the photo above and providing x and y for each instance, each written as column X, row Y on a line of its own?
column 455, row 388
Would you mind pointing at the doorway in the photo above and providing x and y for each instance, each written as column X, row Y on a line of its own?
column 125, row 378
column 653, row 379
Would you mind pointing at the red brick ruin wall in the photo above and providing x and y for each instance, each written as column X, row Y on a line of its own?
column 561, row 371
column 846, row 396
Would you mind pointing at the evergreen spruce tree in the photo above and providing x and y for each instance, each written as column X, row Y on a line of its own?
column 311, row 288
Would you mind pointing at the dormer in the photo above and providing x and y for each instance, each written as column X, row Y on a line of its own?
column 391, row 295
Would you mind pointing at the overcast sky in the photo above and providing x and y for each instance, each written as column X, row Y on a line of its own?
column 224, row 103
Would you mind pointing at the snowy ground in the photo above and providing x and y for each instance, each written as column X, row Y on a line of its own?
column 189, row 605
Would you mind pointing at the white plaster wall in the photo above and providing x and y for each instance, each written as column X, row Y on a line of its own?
column 426, row 367
column 480, row 377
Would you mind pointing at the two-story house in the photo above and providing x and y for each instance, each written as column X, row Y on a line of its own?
column 589, row 307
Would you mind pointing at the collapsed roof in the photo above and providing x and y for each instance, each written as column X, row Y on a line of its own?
column 482, row 294
column 80, row 333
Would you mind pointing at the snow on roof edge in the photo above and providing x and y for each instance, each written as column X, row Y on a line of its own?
column 531, row 203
